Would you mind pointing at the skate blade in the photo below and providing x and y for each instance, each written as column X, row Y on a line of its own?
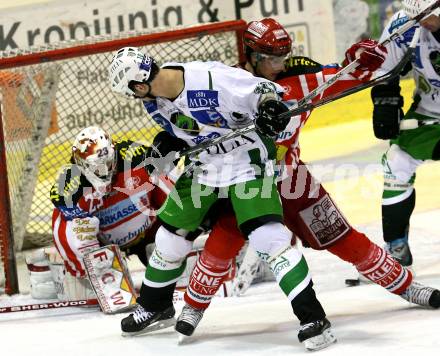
column 320, row 342
column 183, row 339
column 158, row 325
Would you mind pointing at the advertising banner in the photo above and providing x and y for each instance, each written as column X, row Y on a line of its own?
column 56, row 21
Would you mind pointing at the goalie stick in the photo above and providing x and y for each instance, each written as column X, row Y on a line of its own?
column 50, row 305
column 177, row 297
column 302, row 104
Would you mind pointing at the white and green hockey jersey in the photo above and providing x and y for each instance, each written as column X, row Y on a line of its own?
column 425, row 64
column 215, row 100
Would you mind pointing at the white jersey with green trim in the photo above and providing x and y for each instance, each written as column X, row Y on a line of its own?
column 425, row 63
column 215, row 100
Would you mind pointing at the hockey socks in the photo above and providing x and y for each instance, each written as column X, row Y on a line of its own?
column 290, row 270
column 381, row 268
column 307, row 307
column 208, row 275
column 156, row 299
column 373, row 262
column 395, row 218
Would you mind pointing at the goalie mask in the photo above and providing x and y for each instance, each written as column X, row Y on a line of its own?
column 414, row 7
column 94, row 153
column 129, row 65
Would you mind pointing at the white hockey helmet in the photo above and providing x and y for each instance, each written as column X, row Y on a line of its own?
column 129, row 64
column 94, row 153
column 414, row 7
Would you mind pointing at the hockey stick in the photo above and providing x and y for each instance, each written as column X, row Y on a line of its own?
column 305, row 101
column 411, row 124
column 52, row 305
column 347, row 69
column 379, row 80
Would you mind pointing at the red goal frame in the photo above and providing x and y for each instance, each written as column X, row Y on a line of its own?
column 159, row 37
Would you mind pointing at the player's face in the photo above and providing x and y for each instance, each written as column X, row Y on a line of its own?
column 269, row 66
column 431, row 23
column 141, row 91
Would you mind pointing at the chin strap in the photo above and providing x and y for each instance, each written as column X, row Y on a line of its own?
column 99, row 184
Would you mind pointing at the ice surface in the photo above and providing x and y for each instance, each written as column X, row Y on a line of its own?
column 366, row 319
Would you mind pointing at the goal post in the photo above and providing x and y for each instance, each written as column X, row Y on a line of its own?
column 8, row 268
column 49, row 93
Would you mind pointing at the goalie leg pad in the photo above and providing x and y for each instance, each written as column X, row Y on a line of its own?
column 110, row 279
column 41, row 280
column 68, row 287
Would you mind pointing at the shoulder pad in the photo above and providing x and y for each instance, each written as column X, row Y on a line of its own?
column 301, row 65
column 68, row 187
column 130, row 151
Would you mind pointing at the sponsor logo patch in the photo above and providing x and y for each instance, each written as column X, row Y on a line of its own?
column 202, row 99
column 325, row 221
column 257, row 29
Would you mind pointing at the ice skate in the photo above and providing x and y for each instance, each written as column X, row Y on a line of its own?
column 142, row 321
column 419, row 294
column 400, row 251
column 316, row 335
column 188, row 320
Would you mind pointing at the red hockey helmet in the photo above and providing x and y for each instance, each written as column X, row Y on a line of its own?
column 268, row 37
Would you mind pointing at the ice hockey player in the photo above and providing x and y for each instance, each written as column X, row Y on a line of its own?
column 418, row 139
column 197, row 101
column 101, row 198
column 308, row 209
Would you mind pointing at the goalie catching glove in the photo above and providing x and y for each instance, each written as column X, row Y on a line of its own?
column 268, row 121
column 387, row 111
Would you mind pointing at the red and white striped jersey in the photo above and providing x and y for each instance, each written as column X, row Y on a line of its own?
column 301, row 76
column 126, row 212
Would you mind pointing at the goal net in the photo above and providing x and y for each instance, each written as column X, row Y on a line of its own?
column 48, row 94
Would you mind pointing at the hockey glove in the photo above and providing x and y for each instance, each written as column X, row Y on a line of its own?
column 161, row 153
column 370, row 55
column 387, row 111
column 268, row 121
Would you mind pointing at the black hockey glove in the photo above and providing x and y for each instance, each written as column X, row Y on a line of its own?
column 387, row 111
column 268, row 121
column 157, row 155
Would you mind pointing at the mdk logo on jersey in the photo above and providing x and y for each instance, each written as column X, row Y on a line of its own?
column 202, row 99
